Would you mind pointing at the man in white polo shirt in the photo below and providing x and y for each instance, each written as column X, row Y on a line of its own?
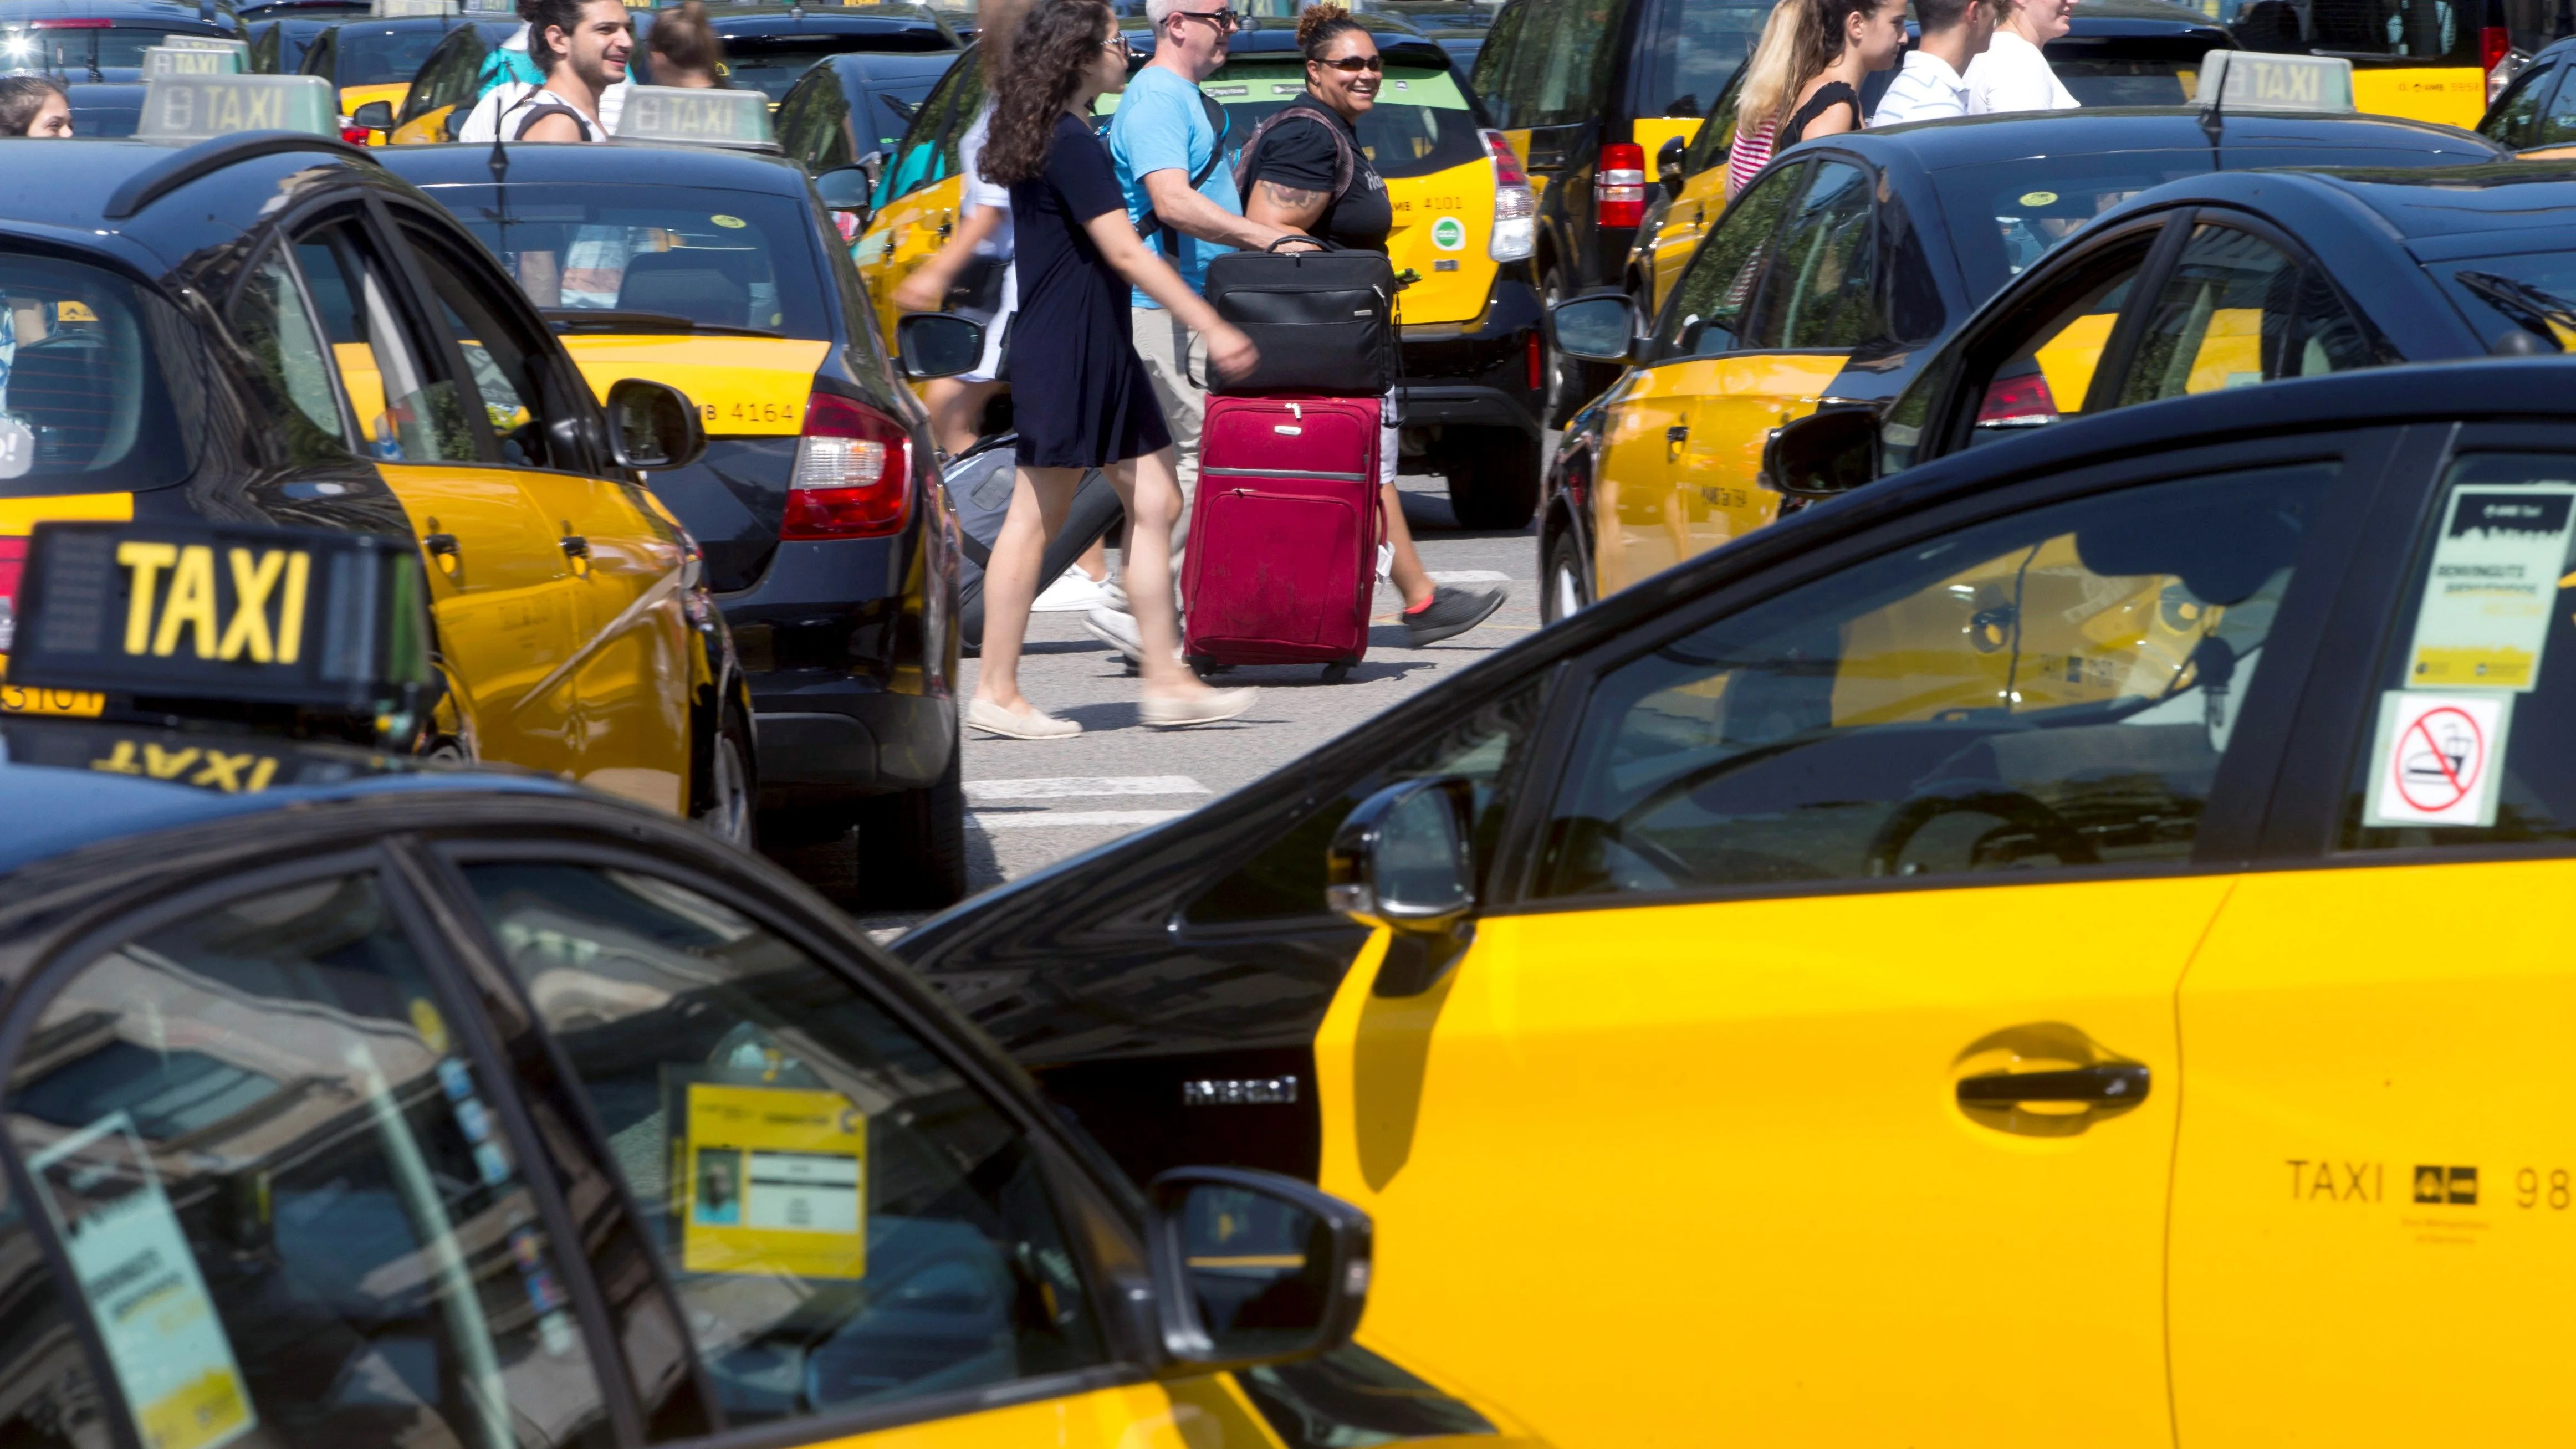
column 1933, row 83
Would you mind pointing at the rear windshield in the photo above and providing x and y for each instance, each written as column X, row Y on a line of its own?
column 722, row 259
column 2005, row 215
column 893, row 107
column 2102, row 80
column 382, row 55
column 75, row 52
column 2429, row 31
column 2533, row 294
column 1422, row 121
column 772, row 65
column 85, row 403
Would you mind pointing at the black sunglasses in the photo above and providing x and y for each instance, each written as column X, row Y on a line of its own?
column 1354, row 64
column 1221, row 19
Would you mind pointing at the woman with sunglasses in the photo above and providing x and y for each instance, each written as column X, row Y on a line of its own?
column 1306, row 171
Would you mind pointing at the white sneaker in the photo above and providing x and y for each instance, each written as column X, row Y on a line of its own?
column 1071, row 594
column 1117, row 630
column 1031, row 723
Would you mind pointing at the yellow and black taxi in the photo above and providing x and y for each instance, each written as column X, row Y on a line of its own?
column 103, row 40
column 353, row 1099
column 2000, row 900
column 846, row 107
column 2442, row 61
column 237, row 316
column 1840, row 270
column 1469, row 323
column 2115, row 53
column 451, row 78
column 2231, row 281
column 372, row 62
column 712, row 268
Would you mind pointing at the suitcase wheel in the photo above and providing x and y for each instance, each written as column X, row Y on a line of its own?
column 1337, row 671
column 1205, row 667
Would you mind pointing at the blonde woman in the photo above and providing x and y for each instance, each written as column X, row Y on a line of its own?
column 1806, row 82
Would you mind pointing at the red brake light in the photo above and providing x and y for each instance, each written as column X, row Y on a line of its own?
column 2494, row 44
column 853, row 475
column 1537, row 364
column 2017, row 402
column 13, row 558
column 355, row 135
column 1619, row 187
column 1507, row 162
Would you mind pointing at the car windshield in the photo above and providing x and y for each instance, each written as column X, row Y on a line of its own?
column 894, row 108
column 2109, row 80
column 85, row 403
column 772, row 65
column 1422, row 121
column 77, row 50
column 2530, row 295
column 373, row 54
column 666, row 257
column 2361, row 28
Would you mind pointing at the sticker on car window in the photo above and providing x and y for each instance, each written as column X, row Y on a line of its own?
column 2434, row 759
column 155, row 1318
column 730, row 223
column 2493, row 581
column 775, row 1182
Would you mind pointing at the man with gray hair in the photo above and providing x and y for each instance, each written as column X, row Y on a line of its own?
column 1169, row 143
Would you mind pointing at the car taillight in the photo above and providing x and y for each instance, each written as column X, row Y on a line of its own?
column 2494, row 44
column 1537, row 363
column 853, row 475
column 13, row 559
column 1515, row 233
column 355, row 135
column 2017, row 402
column 1619, row 188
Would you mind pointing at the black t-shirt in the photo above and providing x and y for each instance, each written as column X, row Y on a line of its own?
column 1301, row 155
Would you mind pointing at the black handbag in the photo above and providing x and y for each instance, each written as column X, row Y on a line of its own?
column 1323, row 319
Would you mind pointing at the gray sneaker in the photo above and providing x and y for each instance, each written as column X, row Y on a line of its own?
column 1452, row 610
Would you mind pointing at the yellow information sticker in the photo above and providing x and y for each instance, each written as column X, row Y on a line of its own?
column 775, row 1183
column 2039, row 198
column 730, row 223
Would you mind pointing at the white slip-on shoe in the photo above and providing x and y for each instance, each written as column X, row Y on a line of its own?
column 1201, row 709
column 1031, row 723
column 1073, row 593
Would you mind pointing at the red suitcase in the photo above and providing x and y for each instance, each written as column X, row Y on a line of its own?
column 1282, row 555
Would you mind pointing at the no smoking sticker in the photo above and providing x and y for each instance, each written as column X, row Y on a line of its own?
column 2436, row 760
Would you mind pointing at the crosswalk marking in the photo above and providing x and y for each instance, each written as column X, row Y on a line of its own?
column 1062, row 819
column 1064, row 787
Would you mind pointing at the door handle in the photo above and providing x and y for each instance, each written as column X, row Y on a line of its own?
column 439, row 544
column 575, row 546
column 2121, row 1083
column 1678, row 432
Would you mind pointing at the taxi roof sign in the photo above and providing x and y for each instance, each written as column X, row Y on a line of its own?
column 200, row 107
column 207, row 42
column 2246, row 80
column 161, row 60
column 697, row 117
column 240, row 613
column 404, row 9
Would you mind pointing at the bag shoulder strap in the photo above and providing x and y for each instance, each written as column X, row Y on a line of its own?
column 1223, row 124
column 1345, row 164
column 550, row 108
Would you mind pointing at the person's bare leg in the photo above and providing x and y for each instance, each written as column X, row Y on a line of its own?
column 1411, row 579
column 1094, row 561
column 955, row 407
column 1039, row 498
column 1150, row 489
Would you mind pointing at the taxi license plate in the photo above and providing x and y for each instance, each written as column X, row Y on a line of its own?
column 75, row 703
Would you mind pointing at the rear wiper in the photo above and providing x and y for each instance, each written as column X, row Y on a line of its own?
column 2545, row 313
column 604, row 319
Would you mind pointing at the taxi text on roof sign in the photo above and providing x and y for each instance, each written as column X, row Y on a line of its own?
column 159, row 60
column 196, row 108
column 401, row 9
column 206, row 611
column 701, row 117
column 2244, row 80
column 206, row 42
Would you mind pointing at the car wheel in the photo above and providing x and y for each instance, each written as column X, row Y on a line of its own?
column 1564, row 590
column 725, row 806
column 1493, row 478
column 912, row 844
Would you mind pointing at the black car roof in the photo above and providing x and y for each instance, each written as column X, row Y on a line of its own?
column 642, row 163
column 2463, row 200
column 887, row 19
column 1973, row 140
column 80, row 186
column 1264, row 37
column 175, row 14
column 873, row 66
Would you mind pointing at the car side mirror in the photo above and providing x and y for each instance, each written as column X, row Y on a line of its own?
column 653, row 425
column 374, row 116
column 845, row 188
column 1405, row 860
column 1597, row 326
column 1668, row 163
column 1252, row 1268
column 1827, row 452
column 937, row 344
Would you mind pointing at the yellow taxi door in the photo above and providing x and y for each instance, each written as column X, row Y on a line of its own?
column 923, row 187
column 500, row 588
column 1824, row 1071
column 1693, row 212
column 2375, row 1190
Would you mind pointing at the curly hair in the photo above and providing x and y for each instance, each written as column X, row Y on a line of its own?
column 22, row 98
column 1318, row 26
column 1051, row 50
column 564, row 15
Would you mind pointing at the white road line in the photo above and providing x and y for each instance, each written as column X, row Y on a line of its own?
column 1062, row 819
column 1469, row 576
column 1068, row 786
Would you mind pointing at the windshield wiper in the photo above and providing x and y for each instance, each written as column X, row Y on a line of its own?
column 605, row 319
column 2537, row 311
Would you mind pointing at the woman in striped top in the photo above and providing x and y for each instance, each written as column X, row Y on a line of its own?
column 1804, row 78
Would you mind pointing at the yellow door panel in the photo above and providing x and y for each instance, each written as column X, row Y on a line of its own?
column 366, row 385
column 1726, row 1136
column 18, row 517
column 423, row 129
column 743, row 386
column 1444, row 219
column 2375, row 1192
column 352, row 97
column 1653, row 131
column 1636, row 530
column 1196, row 1413
column 503, row 604
column 631, row 665
column 2230, row 352
column 2069, row 359
column 1754, row 393
column 1686, row 221
column 902, row 237
column 2450, row 95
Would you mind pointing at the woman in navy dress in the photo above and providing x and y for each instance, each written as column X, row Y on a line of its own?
column 1080, row 395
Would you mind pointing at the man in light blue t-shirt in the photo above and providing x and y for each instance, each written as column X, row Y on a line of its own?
column 1161, row 138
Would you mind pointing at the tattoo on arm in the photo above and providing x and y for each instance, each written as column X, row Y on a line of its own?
column 1291, row 200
